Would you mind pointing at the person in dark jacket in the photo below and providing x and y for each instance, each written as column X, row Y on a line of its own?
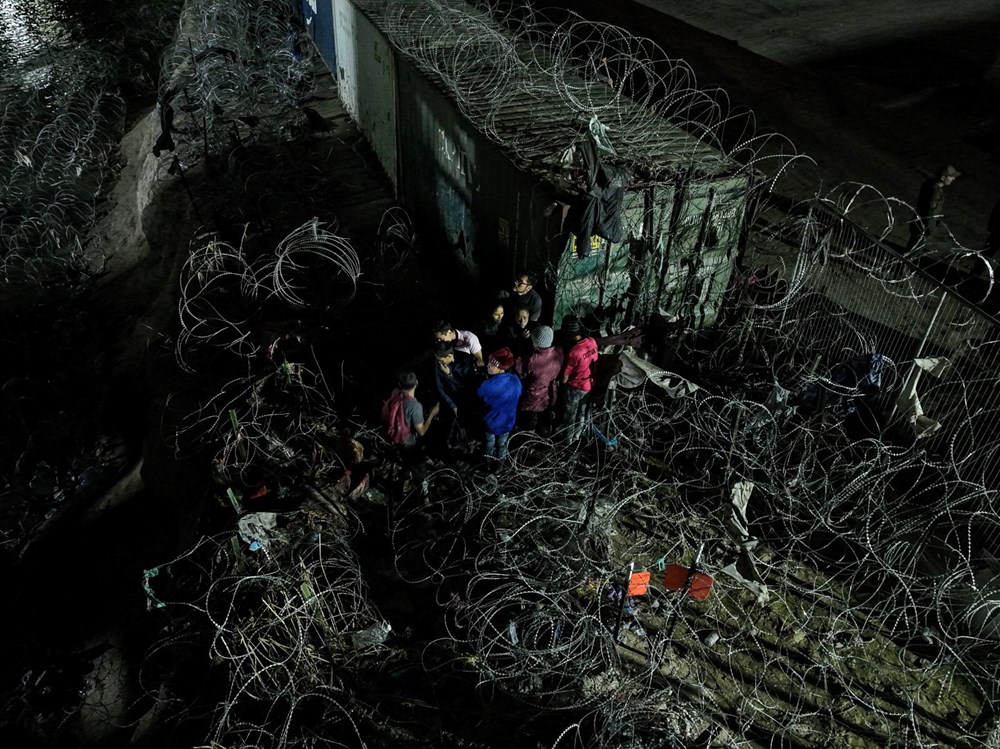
column 455, row 376
column 519, row 332
column 499, row 394
column 494, row 332
column 930, row 205
column 539, row 373
column 523, row 294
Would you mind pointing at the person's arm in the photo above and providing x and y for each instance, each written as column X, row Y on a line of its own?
column 423, row 426
column 443, row 393
column 535, row 309
column 475, row 347
column 568, row 366
column 521, row 366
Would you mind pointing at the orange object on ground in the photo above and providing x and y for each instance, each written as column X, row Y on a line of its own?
column 638, row 584
column 676, row 577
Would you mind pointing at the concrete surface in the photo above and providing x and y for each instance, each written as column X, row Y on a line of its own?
column 880, row 93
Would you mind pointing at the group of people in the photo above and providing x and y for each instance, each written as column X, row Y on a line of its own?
column 511, row 374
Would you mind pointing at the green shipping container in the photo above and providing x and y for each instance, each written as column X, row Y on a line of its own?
column 496, row 204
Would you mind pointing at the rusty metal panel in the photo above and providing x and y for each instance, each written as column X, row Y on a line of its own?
column 366, row 77
column 599, row 285
column 700, row 244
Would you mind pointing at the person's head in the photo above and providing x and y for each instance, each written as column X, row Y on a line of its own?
column 407, row 379
column 495, row 313
column 948, row 174
column 571, row 326
column 523, row 283
column 500, row 361
column 444, row 352
column 541, row 337
column 522, row 316
column 444, row 331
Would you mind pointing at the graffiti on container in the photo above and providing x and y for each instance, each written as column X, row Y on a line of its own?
column 726, row 212
column 455, row 161
column 503, row 232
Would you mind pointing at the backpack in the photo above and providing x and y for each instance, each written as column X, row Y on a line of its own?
column 394, row 418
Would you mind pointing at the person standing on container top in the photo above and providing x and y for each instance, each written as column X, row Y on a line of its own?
column 577, row 378
column 500, row 393
column 930, row 206
column 523, row 294
column 539, row 373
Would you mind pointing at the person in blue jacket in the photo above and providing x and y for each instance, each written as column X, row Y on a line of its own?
column 500, row 393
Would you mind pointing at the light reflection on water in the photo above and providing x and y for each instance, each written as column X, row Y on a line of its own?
column 44, row 41
column 67, row 68
column 29, row 30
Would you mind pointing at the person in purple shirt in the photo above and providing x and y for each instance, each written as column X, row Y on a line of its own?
column 500, row 393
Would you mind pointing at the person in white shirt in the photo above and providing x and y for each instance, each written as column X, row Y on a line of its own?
column 462, row 340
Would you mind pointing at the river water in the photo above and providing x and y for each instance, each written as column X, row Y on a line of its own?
column 43, row 43
column 70, row 72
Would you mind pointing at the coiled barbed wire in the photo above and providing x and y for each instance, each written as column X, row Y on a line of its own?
column 546, row 80
column 223, row 291
column 519, row 615
column 237, row 71
column 290, row 624
column 876, row 629
column 58, row 166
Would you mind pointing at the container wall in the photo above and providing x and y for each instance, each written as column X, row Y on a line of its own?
column 366, row 78
column 695, row 255
column 675, row 261
column 717, row 251
column 319, row 24
column 598, row 285
column 478, row 209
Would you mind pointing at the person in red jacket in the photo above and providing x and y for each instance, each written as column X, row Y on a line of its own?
column 539, row 373
column 577, row 378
